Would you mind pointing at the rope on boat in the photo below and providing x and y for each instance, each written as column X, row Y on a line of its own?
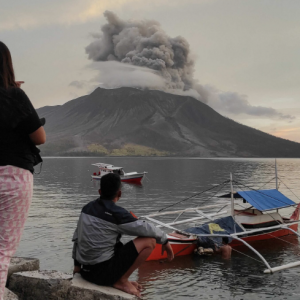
column 221, row 187
column 147, row 178
column 257, row 259
column 221, row 208
column 188, row 198
column 218, row 191
column 289, row 189
column 276, row 237
column 248, row 256
column 266, row 183
column 243, row 254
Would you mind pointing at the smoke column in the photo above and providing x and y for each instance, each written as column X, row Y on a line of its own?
column 170, row 66
column 145, row 44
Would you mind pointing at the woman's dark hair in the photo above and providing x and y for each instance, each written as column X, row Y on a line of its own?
column 7, row 75
column 110, row 185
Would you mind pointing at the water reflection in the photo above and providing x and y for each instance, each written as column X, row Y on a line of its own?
column 209, row 277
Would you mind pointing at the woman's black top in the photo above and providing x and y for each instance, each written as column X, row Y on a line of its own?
column 18, row 119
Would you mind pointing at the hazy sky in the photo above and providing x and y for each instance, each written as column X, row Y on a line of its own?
column 247, row 52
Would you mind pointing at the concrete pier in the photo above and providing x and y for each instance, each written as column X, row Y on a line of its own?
column 20, row 264
column 26, row 282
column 34, row 285
column 83, row 290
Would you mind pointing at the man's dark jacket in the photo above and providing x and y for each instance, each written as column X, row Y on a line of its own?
column 100, row 227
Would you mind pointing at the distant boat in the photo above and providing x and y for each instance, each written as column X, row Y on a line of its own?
column 132, row 177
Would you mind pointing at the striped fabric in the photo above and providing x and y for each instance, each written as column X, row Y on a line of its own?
column 15, row 197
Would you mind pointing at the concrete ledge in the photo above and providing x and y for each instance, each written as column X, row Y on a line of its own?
column 54, row 285
column 20, row 264
column 45, row 285
column 83, row 290
column 8, row 295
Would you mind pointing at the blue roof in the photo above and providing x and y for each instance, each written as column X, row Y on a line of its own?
column 266, row 199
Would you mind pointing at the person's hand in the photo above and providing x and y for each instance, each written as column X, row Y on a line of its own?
column 167, row 247
column 19, row 83
column 76, row 269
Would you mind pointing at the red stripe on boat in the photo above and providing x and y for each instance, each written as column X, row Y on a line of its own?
column 266, row 236
column 134, row 180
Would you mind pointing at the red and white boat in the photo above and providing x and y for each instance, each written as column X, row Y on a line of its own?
column 257, row 219
column 132, row 177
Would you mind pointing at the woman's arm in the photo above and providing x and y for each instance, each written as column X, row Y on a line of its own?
column 38, row 137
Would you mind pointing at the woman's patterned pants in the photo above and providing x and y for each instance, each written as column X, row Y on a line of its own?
column 15, row 197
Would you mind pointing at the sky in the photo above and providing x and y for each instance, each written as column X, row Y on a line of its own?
column 245, row 53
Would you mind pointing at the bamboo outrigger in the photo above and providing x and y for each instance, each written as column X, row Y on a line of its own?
column 260, row 221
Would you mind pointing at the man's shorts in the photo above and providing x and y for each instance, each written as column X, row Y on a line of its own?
column 110, row 271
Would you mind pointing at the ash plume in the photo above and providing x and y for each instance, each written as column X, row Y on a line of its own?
column 155, row 60
column 144, row 44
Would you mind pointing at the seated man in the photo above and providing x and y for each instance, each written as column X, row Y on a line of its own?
column 98, row 254
column 225, row 249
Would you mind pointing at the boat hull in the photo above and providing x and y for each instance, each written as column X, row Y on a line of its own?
column 265, row 235
column 187, row 247
column 180, row 247
column 129, row 179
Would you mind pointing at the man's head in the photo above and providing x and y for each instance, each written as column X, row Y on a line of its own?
column 110, row 186
column 225, row 240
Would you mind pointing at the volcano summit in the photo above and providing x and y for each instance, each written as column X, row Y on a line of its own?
column 129, row 121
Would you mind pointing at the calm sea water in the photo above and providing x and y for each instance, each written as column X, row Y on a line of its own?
column 64, row 186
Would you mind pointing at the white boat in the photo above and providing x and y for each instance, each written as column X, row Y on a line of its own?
column 132, row 177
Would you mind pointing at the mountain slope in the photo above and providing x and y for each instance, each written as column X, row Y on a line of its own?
column 175, row 124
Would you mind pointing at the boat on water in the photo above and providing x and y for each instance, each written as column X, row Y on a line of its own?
column 132, row 177
column 254, row 216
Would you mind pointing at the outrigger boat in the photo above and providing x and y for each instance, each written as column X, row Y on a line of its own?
column 258, row 219
column 132, row 177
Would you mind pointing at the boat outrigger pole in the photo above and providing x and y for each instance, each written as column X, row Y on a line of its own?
column 276, row 174
column 232, row 200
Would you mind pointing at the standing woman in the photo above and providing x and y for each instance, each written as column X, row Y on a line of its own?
column 20, row 126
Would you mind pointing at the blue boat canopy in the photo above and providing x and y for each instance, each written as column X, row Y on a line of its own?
column 264, row 199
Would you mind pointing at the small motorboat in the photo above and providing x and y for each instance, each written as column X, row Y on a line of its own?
column 132, row 177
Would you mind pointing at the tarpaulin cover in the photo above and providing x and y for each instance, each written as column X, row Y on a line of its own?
column 224, row 225
column 266, row 199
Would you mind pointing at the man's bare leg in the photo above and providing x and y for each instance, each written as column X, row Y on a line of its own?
column 144, row 247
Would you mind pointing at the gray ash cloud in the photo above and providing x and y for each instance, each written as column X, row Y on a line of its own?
column 156, row 60
column 144, row 44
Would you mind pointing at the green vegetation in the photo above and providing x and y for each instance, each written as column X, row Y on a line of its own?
column 57, row 147
column 98, row 149
column 67, row 147
column 127, row 150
